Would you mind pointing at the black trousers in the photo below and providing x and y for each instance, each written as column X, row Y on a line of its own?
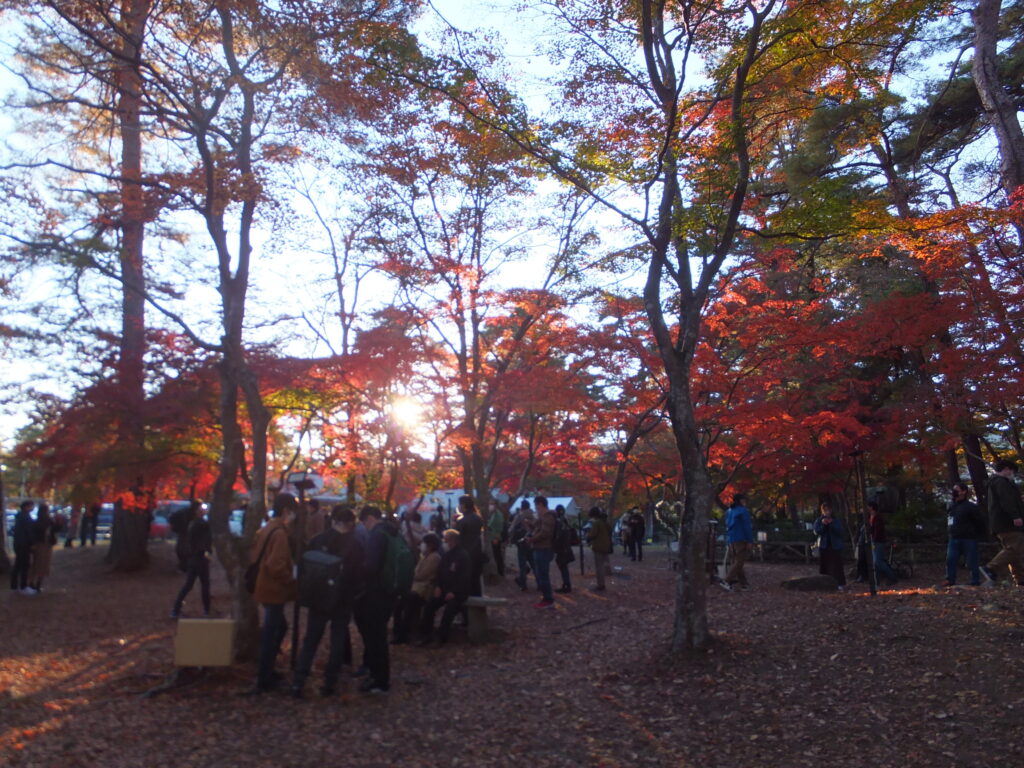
column 372, row 613
column 408, row 614
column 197, row 568
column 452, row 608
column 316, row 623
column 19, row 571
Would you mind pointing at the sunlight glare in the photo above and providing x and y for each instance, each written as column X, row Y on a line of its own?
column 406, row 411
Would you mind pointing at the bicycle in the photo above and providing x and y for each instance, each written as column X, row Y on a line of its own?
column 902, row 568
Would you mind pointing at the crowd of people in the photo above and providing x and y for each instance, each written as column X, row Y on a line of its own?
column 376, row 570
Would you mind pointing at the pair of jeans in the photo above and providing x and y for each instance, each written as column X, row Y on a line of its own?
column 373, row 610
column 316, row 623
column 197, row 568
column 882, row 567
column 542, row 570
column 275, row 627
column 967, row 548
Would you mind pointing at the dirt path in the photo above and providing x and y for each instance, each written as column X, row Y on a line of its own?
column 913, row 677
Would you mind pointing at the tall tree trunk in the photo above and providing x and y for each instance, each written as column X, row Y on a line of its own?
column 976, row 466
column 999, row 107
column 130, row 534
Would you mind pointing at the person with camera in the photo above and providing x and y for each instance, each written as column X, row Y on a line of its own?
column 519, row 534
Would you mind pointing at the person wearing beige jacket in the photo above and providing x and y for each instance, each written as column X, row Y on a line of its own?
column 275, row 586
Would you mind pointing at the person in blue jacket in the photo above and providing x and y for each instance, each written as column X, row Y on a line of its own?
column 739, row 533
column 830, row 545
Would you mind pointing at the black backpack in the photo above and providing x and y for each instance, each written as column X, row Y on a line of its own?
column 320, row 575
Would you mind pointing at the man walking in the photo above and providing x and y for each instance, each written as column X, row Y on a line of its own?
column 197, row 544
column 966, row 526
column 1006, row 522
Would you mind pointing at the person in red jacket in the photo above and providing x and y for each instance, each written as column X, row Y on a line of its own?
column 275, row 586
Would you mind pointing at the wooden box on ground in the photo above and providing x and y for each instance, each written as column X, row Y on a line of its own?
column 204, row 643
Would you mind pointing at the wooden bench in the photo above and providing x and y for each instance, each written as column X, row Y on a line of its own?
column 792, row 549
column 477, row 610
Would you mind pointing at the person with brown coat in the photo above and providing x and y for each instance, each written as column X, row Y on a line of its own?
column 542, row 540
column 275, row 586
column 43, row 539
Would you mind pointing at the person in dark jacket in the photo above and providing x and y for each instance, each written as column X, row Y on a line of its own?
column 453, row 587
column 637, row 534
column 90, row 521
column 563, row 549
column 374, row 606
column 22, row 539
column 830, row 545
column 197, row 545
column 966, row 525
column 338, row 540
column 1006, row 523
column 471, row 527
column 179, row 522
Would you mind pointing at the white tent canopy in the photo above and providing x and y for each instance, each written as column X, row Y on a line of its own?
column 572, row 509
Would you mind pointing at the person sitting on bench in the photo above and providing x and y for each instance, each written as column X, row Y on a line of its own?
column 454, row 579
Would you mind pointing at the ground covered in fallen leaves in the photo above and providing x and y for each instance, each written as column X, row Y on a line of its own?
column 916, row 676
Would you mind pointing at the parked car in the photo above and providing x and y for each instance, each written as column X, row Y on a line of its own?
column 105, row 521
column 159, row 528
column 236, row 522
column 171, row 511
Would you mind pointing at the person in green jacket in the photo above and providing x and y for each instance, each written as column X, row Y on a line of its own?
column 600, row 540
column 1006, row 523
